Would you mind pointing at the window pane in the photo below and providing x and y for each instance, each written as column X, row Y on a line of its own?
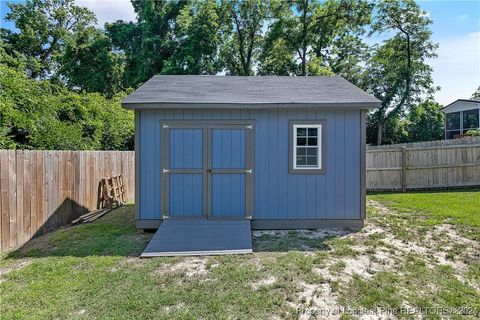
column 312, row 160
column 312, row 141
column 301, row 141
column 301, row 151
column 301, row 132
column 453, row 121
column 452, row 134
column 312, row 151
column 312, row 132
column 301, row 160
column 470, row 119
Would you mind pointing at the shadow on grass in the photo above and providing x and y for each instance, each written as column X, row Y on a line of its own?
column 114, row 234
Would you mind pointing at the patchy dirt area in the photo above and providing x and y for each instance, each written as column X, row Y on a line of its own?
column 378, row 249
column 264, row 283
column 191, row 266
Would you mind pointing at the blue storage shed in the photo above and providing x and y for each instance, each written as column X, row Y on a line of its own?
column 279, row 152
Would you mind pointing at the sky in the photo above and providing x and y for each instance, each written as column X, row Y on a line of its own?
column 456, row 28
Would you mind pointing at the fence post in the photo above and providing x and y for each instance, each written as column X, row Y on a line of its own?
column 404, row 169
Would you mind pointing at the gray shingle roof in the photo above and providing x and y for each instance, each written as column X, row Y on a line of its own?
column 181, row 91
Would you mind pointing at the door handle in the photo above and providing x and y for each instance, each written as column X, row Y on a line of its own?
column 209, row 170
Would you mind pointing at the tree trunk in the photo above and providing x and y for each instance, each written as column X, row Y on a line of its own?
column 304, row 63
column 379, row 133
column 304, row 38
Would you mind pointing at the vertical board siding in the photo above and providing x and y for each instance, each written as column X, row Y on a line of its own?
column 43, row 190
column 151, row 161
column 228, row 190
column 185, row 195
column 278, row 194
column 228, row 195
column 186, row 151
column 185, row 189
column 228, row 149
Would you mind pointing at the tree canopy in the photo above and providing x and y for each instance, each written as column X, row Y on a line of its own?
column 75, row 71
column 44, row 28
column 41, row 115
column 476, row 94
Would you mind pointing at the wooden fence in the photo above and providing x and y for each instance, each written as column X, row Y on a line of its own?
column 42, row 190
column 425, row 165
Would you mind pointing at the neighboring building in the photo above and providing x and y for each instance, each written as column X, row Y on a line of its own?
column 461, row 116
column 281, row 152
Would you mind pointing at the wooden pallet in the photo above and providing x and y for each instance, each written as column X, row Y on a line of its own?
column 113, row 192
column 112, row 195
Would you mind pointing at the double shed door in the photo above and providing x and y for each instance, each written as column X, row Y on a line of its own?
column 207, row 169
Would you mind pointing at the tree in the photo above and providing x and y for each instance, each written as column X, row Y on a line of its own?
column 294, row 30
column 89, row 64
column 425, row 122
column 198, row 34
column 243, row 34
column 307, row 30
column 395, row 129
column 44, row 27
column 348, row 57
column 339, row 26
column 277, row 54
column 397, row 73
column 276, row 58
column 36, row 114
column 126, row 37
column 476, row 94
column 149, row 42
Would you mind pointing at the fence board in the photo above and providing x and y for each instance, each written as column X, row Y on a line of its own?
column 437, row 164
column 42, row 190
column 4, row 180
column 12, row 195
column 27, row 180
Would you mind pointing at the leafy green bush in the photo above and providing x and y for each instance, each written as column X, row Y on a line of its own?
column 473, row 133
column 42, row 115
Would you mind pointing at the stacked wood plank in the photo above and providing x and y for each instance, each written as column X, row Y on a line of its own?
column 91, row 216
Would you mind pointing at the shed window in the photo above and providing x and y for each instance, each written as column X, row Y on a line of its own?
column 453, row 121
column 306, row 147
column 470, row 119
column 452, row 125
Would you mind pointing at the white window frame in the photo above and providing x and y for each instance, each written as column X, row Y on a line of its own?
column 318, row 146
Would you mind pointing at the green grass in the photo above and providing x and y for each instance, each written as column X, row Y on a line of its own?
column 113, row 235
column 457, row 206
column 92, row 271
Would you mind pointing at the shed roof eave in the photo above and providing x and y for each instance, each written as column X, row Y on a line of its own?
column 463, row 100
column 187, row 105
